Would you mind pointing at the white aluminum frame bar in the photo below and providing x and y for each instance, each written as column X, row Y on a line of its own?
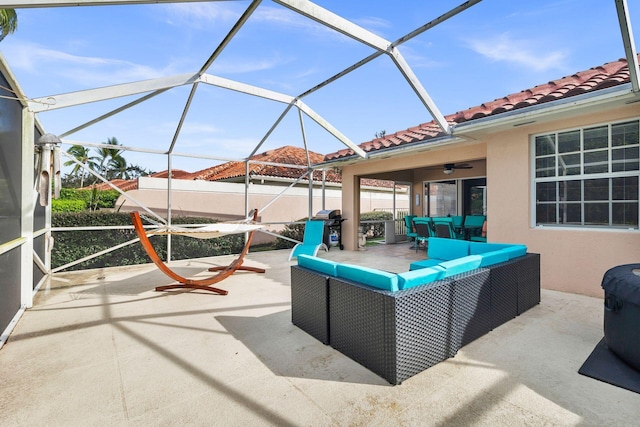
column 27, row 204
column 329, row 128
column 66, row 3
column 417, row 87
column 112, row 113
column 349, row 29
column 54, row 102
column 629, row 44
column 97, row 175
column 183, row 116
column 335, row 22
column 230, row 35
column 245, row 88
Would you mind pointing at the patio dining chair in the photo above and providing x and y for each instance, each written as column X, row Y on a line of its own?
column 444, row 229
column 408, row 223
column 312, row 240
column 423, row 231
column 473, row 225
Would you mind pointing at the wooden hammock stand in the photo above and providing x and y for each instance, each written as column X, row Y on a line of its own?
column 201, row 284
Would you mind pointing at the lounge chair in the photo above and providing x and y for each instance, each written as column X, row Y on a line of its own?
column 311, row 241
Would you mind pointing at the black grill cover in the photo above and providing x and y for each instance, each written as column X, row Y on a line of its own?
column 622, row 282
column 622, row 312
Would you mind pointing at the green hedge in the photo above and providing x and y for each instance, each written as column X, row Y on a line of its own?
column 106, row 198
column 72, row 245
column 59, row 205
column 377, row 229
column 293, row 231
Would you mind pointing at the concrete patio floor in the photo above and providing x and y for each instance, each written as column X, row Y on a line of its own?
column 102, row 348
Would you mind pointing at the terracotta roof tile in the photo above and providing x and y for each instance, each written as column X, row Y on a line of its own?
column 132, row 184
column 285, row 155
column 608, row 75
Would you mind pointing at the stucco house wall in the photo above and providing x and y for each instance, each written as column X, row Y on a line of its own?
column 572, row 259
column 226, row 201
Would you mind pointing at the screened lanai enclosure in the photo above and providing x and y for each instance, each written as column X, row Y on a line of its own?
column 26, row 219
column 31, row 154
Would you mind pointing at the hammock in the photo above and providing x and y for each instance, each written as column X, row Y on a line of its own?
column 205, row 232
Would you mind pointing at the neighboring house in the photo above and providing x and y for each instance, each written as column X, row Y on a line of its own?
column 219, row 191
column 557, row 167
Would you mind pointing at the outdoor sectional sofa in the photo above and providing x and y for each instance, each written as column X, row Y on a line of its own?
column 398, row 325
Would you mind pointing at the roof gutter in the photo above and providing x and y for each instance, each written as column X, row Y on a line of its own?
column 527, row 115
column 415, row 147
column 522, row 116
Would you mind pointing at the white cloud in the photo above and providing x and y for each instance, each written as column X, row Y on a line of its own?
column 88, row 71
column 237, row 65
column 521, row 52
column 198, row 128
column 200, row 14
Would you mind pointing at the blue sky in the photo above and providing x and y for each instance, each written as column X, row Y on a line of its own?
column 493, row 49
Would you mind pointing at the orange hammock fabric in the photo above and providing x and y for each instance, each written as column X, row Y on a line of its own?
column 201, row 284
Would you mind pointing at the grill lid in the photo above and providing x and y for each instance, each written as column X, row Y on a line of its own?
column 328, row 214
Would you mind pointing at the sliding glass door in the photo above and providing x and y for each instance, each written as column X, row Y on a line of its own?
column 441, row 198
column 455, row 197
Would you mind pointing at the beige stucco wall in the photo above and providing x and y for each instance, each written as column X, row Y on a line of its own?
column 227, row 201
column 572, row 260
column 421, row 164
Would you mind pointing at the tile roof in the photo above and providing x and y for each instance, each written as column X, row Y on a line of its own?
column 285, row 155
column 132, row 184
column 234, row 171
column 596, row 78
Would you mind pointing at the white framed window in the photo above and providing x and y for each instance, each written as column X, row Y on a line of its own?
column 588, row 177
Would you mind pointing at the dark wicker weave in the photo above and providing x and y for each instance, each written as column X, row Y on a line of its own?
column 472, row 305
column 399, row 334
column 309, row 302
column 528, row 282
column 504, row 292
column 394, row 334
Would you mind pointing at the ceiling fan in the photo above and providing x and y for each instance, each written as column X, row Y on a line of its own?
column 450, row 167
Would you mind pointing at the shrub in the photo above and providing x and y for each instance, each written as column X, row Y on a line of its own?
column 292, row 231
column 375, row 229
column 106, row 199
column 72, row 245
column 58, row 205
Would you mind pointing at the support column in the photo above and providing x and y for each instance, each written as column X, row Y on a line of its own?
column 28, row 207
column 350, row 210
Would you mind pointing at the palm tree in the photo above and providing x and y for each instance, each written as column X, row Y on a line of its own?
column 8, row 22
column 106, row 156
column 82, row 155
column 118, row 168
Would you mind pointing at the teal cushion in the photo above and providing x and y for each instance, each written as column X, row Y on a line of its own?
column 494, row 257
column 409, row 279
column 460, row 265
column 447, row 249
column 476, row 248
column 425, row 263
column 320, row 265
column 369, row 276
column 515, row 251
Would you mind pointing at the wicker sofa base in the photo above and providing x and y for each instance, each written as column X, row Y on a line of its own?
column 310, row 302
column 399, row 334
